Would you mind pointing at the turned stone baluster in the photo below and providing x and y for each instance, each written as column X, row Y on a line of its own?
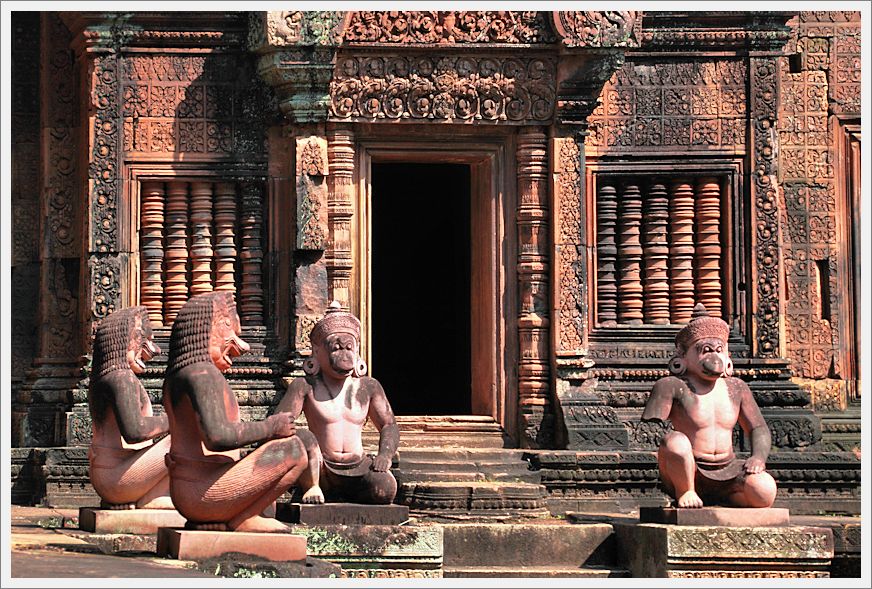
column 708, row 245
column 251, row 293
column 630, row 256
column 656, row 283
column 607, row 290
column 176, row 292
column 225, row 236
column 152, row 247
column 201, row 238
column 681, row 251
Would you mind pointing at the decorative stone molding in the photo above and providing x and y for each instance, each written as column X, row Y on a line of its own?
column 311, row 175
column 448, row 27
column 594, row 28
column 443, row 87
column 297, row 53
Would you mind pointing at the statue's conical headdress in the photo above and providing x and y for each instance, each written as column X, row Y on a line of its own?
column 335, row 321
column 701, row 325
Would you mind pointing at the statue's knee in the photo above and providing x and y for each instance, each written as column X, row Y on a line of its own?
column 290, row 450
column 760, row 489
column 676, row 443
column 382, row 488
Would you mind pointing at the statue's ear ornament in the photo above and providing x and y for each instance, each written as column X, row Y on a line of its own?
column 360, row 368
column 311, row 366
column 677, row 366
column 728, row 368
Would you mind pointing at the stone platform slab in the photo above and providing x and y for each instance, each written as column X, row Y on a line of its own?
column 128, row 521
column 665, row 550
column 202, row 544
column 352, row 514
column 408, row 551
column 716, row 516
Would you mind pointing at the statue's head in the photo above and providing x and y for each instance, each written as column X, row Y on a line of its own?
column 206, row 329
column 701, row 347
column 124, row 340
column 336, row 345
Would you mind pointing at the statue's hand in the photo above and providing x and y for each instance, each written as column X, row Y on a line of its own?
column 283, row 425
column 754, row 465
column 381, row 463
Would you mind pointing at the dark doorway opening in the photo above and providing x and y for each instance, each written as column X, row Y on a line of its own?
column 420, row 286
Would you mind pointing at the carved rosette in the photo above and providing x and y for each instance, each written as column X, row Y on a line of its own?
column 443, row 87
column 447, row 27
column 764, row 190
column 340, row 213
column 595, row 28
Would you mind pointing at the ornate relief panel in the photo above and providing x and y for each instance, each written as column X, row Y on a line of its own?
column 425, row 26
column 213, row 105
column 370, row 86
column 677, row 105
column 824, row 80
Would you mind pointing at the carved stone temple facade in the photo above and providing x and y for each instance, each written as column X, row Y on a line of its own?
column 521, row 207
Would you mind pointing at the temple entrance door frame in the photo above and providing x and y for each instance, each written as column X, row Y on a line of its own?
column 494, row 251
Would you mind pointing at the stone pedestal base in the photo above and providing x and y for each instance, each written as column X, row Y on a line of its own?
column 353, row 514
column 410, row 551
column 201, row 545
column 663, row 550
column 128, row 521
column 716, row 516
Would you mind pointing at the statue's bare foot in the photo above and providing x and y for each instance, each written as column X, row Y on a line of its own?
column 207, row 526
column 257, row 523
column 314, row 495
column 162, row 502
column 117, row 506
column 690, row 500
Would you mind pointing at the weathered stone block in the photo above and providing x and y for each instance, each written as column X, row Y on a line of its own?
column 201, row 544
column 716, row 516
column 413, row 551
column 128, row 521
column 663, row 550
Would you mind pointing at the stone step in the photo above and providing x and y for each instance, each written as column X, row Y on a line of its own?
column 553, row 543
column 463, row 454
column 539, row 571
column 449, row 475
column 474, row 497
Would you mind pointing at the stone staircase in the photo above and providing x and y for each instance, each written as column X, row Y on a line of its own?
column 545, row 548
column 469, row 483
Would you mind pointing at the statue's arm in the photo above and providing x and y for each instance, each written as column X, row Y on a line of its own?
column 208, row 391
column 751, row 420
column 134, row 426
column 659, row 404
column 294, row 397
column 383, row 419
